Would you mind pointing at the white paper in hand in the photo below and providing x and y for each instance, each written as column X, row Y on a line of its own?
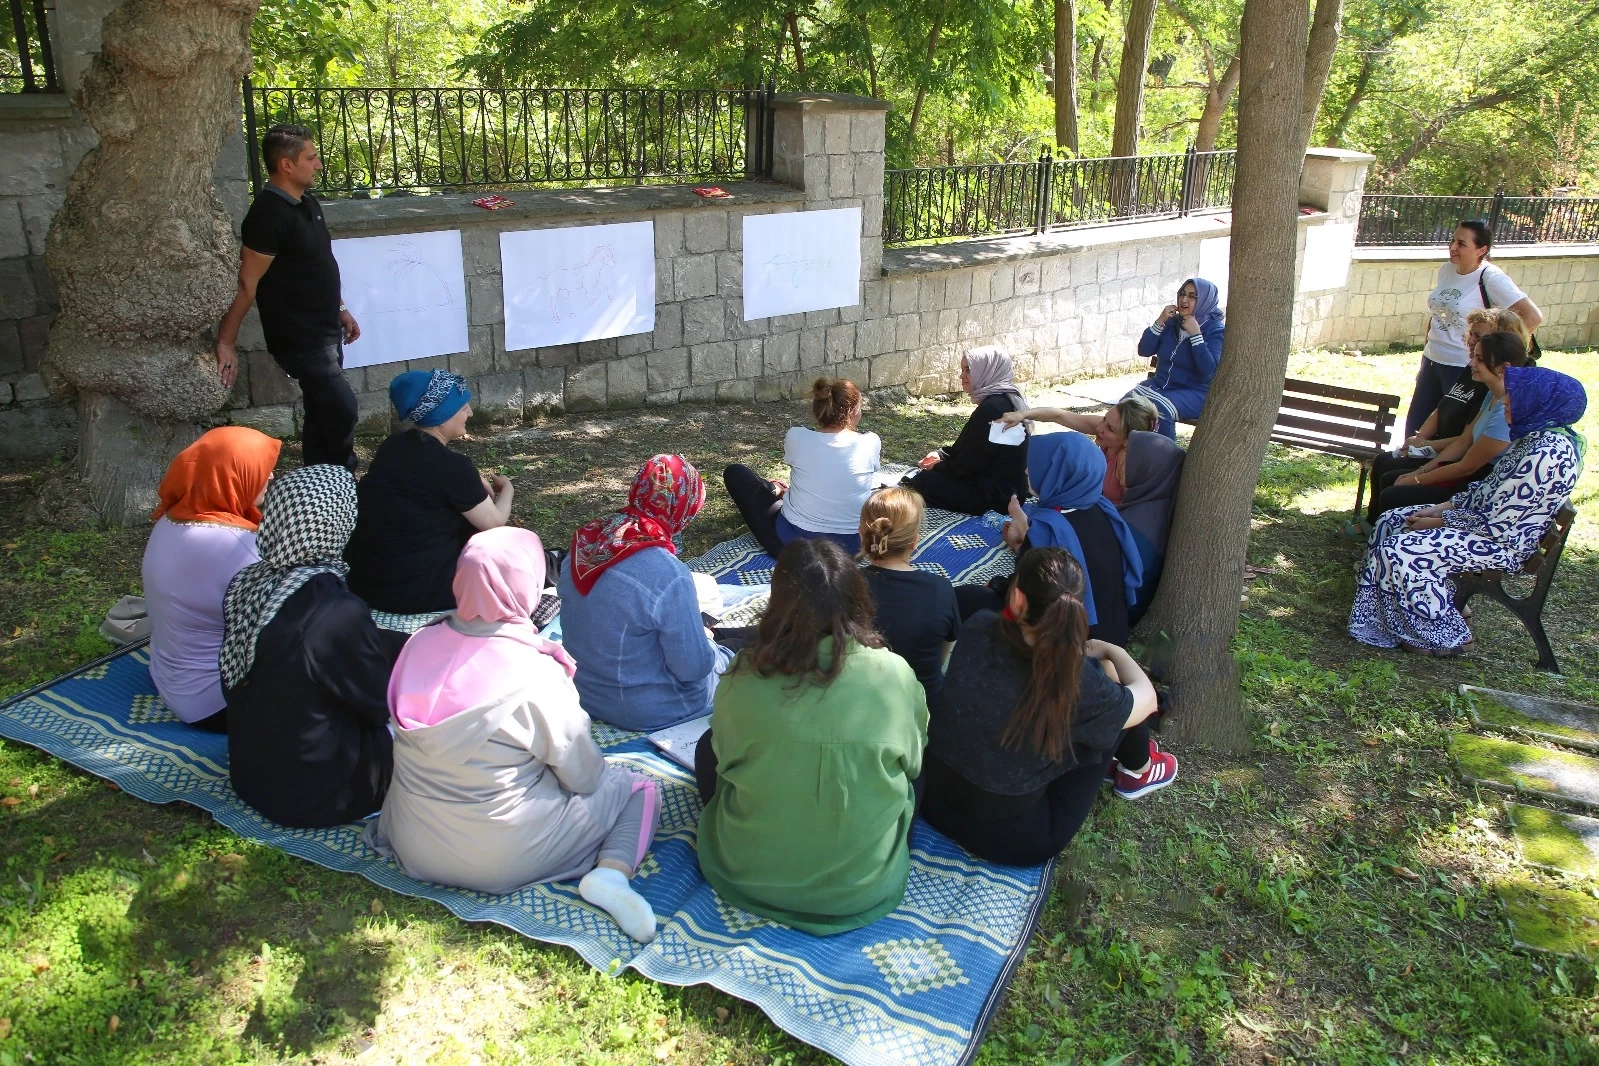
column 999, row 433
column 679, row 742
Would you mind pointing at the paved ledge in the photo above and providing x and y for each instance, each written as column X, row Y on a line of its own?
column 1437, row 253
column 347, row 217
column 828, row 102
column 958, row 254
column 35, row 107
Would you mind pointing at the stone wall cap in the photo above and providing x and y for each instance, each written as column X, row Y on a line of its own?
column 828, row 102
column 35, row 107
column 391, row 213
column 1414, row 253
column 1339, row 155
column 973, row 253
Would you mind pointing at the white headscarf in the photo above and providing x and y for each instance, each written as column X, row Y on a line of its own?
column 991, row 371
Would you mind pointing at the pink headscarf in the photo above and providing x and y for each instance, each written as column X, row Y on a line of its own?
column 443, row 671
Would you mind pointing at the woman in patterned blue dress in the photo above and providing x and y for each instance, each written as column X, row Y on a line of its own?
column 1404, row 595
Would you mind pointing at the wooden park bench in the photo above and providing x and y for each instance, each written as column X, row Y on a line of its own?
column 1334, row 420
column 1529, row 608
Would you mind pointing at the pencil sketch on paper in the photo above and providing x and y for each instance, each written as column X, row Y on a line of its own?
column 574, row 291
column 794, row 271
column 414, row 284
column 577, row 283
column 407, row 291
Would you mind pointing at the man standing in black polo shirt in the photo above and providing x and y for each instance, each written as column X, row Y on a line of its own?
column 287, row 268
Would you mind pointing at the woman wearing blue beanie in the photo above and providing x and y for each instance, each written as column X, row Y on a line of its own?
column 421, row 502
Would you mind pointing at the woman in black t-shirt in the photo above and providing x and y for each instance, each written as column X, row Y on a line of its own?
column 420, row 501
column 1032, row 715
column 916, row 609
column 977, row 474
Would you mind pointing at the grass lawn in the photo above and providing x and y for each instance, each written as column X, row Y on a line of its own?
column 1328, row 898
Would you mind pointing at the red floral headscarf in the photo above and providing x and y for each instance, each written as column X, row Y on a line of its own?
column 666, row 493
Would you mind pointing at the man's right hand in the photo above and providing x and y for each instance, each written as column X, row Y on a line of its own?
column 227, row 363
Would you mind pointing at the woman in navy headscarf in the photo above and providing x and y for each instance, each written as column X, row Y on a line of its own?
column 1405, row 594
column 1067, row 471
column 1186, row 342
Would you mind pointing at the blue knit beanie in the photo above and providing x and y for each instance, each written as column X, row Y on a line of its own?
column 428, row 398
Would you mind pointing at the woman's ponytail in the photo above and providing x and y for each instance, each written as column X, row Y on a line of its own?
column 891, row 520
column 1053, row 584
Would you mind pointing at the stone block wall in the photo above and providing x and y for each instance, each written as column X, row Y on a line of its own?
column 1385, row 302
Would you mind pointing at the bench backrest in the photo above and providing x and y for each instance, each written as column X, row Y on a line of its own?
column 1332, row 418
column 1550, row 545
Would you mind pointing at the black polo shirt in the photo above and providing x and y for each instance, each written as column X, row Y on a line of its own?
column 298, row 296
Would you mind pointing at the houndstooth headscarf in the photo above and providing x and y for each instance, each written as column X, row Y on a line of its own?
column 305, row 523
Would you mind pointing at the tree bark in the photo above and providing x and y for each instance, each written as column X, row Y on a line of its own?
column 1197, row 606
column 142, row 253
column 1319, row 50
column 123, row 457
column 1066, row 74
column 1137, row 34
column 1217, row 99
column 921, row 87
column 871, row 55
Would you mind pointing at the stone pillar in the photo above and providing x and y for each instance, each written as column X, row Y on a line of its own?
column 1333, row 181
column 831, row 145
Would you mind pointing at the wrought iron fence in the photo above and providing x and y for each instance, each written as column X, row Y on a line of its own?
column 932, row 203
column 440, row 138
column 28, row 65
column 1409, row 220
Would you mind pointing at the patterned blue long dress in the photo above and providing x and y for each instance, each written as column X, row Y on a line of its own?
column 1404, row 592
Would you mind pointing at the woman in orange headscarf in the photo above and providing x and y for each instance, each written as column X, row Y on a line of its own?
column 204, row 534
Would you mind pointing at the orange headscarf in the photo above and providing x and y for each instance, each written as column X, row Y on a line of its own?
column 218, row 477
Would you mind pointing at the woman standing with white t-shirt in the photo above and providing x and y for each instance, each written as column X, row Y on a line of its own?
column 832, row 471
column 1461, row 284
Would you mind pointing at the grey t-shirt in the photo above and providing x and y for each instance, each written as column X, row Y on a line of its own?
column 984, row 683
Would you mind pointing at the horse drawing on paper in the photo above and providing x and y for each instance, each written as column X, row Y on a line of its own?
column 413, row 285
column 571, row 292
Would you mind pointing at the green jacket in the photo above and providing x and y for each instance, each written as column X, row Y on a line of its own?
column 811, row 819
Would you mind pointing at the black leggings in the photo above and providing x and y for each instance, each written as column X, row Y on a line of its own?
column 1386, row 496
column 758, row 501
column 1032, row 835
column 964, row 495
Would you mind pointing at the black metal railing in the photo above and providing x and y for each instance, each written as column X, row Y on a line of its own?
column 443, row 138
column 28, row 66
column 1389, row 219
column 992, row 199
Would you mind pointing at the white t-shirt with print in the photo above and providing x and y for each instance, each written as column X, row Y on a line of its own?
column 831, row 479
column 1456, row 296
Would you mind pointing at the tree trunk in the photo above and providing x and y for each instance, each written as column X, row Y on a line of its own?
column 122, row 457
column 1137, row 33
column 921, row 87
column 1323, row 43
column 1216, row 103
column 871, row 54
column 1340, row 125
column 1197, row 606
column 1066, row 74
column 141, row 251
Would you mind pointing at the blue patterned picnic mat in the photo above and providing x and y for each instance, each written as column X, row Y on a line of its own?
column 916, row 987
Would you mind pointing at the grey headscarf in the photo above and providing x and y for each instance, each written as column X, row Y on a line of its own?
column 991, row 372
column 306, row 521
column 1153, row 470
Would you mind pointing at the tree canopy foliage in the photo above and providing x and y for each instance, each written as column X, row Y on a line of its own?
column 1450, row 95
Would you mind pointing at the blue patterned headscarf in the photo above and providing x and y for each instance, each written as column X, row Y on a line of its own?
column 428, row 398
column 1068, row 473
column 1541, row 398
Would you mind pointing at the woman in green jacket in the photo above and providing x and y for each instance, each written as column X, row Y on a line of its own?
column 810, row 771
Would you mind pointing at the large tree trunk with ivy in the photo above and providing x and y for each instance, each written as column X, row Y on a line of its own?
column 1197, row 606
column 142, row 252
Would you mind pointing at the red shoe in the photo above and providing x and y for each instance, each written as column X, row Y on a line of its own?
column 1112, row 769
column 1161, row 771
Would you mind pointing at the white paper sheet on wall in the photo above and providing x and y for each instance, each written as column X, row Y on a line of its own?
column 801, row 261
column 1328, row 249
column 1215, row 260
column 407, row 292
column 577, row 283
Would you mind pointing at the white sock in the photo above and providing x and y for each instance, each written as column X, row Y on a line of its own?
column 608, row 890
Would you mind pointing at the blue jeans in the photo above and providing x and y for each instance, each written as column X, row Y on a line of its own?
column 1432, row 381
column 787, row 531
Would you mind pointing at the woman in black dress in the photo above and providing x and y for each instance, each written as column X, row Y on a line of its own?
column 977, row 474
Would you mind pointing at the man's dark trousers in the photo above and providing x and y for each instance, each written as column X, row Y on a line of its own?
column 328, row 435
